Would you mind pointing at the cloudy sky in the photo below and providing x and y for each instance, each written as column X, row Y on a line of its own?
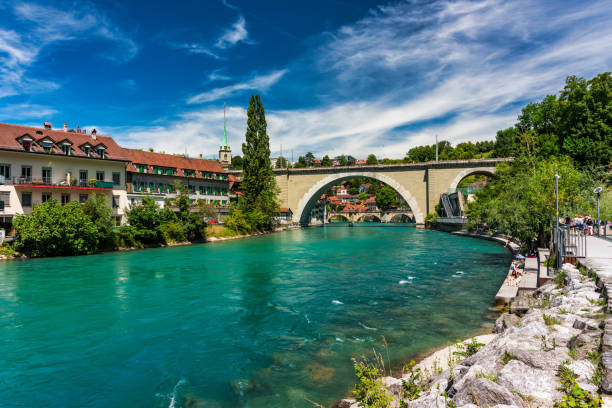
column 335, row 76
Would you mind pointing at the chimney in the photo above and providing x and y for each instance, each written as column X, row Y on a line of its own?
column 200, row 155
column 65, row 127
column 93, row 134
column 47, row 125
column 78, row 129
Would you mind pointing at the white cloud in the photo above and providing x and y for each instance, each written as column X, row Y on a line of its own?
column 233, row 35
column 42, row 26
column 24, row 111
column 461, row 70
column 257, row 83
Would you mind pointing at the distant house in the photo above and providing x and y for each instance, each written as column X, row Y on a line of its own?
column 285, row 216
column 370, row 204
column 364, row 187
column 360, row 162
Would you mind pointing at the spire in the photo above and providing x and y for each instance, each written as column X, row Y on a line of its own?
column 224, row 129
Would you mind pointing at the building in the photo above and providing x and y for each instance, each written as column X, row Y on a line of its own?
column 225, row 153
column 157, row 174
column 39, row 163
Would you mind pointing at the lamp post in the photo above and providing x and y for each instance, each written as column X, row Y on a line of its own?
column 597, row 191
column 557, row 234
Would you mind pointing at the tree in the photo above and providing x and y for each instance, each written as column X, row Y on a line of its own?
column 237, row 163
column 343, row 160
column 301, row 163
column 326, row 161
column 309, row 158
column 521, row 201
column 258, row 184
column 97, row 209
column 55, row 230
column 146, row 221
column 386, row 198
column 372, row 159
column 505, row 143
column 281, row 163
column 362, row 196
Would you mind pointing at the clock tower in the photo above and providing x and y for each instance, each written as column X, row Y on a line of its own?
column 225, row 153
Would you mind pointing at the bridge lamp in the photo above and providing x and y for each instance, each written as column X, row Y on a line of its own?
column 597, row 191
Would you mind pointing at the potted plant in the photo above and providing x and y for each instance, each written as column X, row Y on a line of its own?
column 93, row 182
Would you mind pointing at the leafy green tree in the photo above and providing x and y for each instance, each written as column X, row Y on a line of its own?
column 372, row 159
column 281, row 163
column 97, row 209
column 237, row 163
column 362, row 196
column 343, row 160
column 301, row 163
column 145, row 221
column 353, row 190
column 309, row 158
column 505, row 143
column 386, row 198
column 326, row 161
column 258, row 183
column 55, row 230
column 521, row 202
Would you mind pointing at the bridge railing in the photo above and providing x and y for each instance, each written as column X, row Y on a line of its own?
column 465, row 190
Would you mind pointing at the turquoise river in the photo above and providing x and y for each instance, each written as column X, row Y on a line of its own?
column 271, row 321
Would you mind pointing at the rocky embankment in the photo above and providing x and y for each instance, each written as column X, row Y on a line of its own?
column 533, row 360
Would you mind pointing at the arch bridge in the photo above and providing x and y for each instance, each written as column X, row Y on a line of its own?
column 419, row 184
column 380, row 216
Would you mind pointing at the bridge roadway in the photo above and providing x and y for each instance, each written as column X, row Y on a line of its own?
column 382, row 216
column 420, row 184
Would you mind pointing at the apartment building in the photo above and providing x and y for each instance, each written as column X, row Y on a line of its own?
column 68, row 165
column 156, row 175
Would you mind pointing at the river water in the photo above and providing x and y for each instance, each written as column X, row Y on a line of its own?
column 271, row 321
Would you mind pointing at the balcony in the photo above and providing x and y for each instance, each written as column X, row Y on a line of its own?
column 48, row 182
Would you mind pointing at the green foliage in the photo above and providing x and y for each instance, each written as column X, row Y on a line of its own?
column 368, row 391
column 237, row 163
column 371, row 159
column 521, row 202
column 559, row 279
column 550, row 320
column 258, row 183
column 55, row 230
column 507, row 357
column 326, row 161
column 575, row 396
column 173, row 231
column 411, row 388
column 467, row 349
column 386, row 198
column 281, row 163
column 463, row 151
column 7, row 250
column 126, row 237
column 100, row 212
column 362, row 196
column 343, row 160
column 237, row 221
column 491, row 377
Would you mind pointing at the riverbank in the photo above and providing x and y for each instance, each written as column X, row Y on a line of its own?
column 529, row 361
column 218, row 236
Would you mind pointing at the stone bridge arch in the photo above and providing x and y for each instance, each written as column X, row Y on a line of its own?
column 489, row 171
column 306, row 202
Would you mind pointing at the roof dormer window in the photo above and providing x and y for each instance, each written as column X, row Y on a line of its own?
column 46, row 144
column 101, row 151
column 66, row 148
column 26, row 142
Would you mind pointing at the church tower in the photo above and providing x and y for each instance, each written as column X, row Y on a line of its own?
column 225, row 153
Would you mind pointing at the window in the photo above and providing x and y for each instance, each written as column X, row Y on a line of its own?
column 141, row 168
column 101, row 152
column 82, row 198
column 208, row 190
column 190, row 189
column 86, row 150
column 115, row 201
column 26, row 199
column 5, row 199
column 47, row 146
column 100, row 175
column 67, row 149
column 201, row 189
column 65, row 199
column 169, row 172
column 116, row 179
column 45, row 197
column 26, row 173
column 151, row 186
column 169, row 188
column 46, row 175
column 5, row 171
column 83, row 178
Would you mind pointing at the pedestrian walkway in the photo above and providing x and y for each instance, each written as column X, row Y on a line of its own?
column 599, row 256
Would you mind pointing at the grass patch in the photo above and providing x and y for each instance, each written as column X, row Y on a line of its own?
column 575, row 396
column 220, row 231
column 507, row 357
column 559, row 279
column 490, row 377
column 550, row 320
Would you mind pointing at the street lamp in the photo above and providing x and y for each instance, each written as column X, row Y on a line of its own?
column 597, row 191
column 557, row 234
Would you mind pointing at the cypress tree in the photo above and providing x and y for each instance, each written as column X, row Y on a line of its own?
column 259, row 187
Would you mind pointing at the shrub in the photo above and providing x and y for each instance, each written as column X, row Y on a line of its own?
column 574, row 396
column 411, row 389
column 559, row 279
column 125, row 237
column 54, row 230
column 368, row 391
column 467, row 349
column 550, row 320
column 174, row 231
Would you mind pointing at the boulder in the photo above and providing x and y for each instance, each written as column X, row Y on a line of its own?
column 485, row 393
column 538, row 384
column 504, row 322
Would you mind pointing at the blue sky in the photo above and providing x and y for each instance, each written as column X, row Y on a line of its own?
column 335, row 76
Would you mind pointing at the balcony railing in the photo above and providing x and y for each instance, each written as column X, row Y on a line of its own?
column 48, row 181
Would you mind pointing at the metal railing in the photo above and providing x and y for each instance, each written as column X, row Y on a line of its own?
column 569, row 244
column 465, row 190
column 602, row 229
column 48, row 181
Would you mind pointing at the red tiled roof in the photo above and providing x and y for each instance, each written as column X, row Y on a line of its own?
column 353, row 208
column 179, row 163
column 9, row 135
